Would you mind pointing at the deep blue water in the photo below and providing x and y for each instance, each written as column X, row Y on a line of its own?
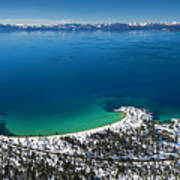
column 49, row 79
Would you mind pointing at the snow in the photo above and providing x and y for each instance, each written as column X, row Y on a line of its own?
column 134, row 119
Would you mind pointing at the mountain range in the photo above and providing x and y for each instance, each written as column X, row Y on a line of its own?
column 175, row 26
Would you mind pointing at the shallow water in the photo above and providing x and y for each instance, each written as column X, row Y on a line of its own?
column 64, row 82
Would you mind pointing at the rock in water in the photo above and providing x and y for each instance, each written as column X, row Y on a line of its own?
column 3, row 130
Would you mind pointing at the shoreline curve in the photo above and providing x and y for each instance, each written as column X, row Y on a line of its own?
column 95, row 129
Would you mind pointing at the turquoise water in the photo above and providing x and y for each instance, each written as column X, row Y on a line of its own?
column 64, row 82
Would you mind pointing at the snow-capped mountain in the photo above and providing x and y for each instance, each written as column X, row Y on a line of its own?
column 174, row 26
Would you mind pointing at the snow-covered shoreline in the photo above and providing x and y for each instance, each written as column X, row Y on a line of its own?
column 133, row 119
column 134, row 137
column 128, row 120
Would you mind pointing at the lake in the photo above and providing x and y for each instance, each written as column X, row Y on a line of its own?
column 70, row 81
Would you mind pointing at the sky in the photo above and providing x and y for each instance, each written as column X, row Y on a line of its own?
column 88, row 11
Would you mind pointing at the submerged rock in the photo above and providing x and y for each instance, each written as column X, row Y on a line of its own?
column 3, row 129
column 3, row 114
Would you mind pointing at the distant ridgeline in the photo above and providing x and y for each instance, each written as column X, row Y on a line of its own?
column 92, row 27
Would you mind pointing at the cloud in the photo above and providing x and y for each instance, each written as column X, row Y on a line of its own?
column 36, row 21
